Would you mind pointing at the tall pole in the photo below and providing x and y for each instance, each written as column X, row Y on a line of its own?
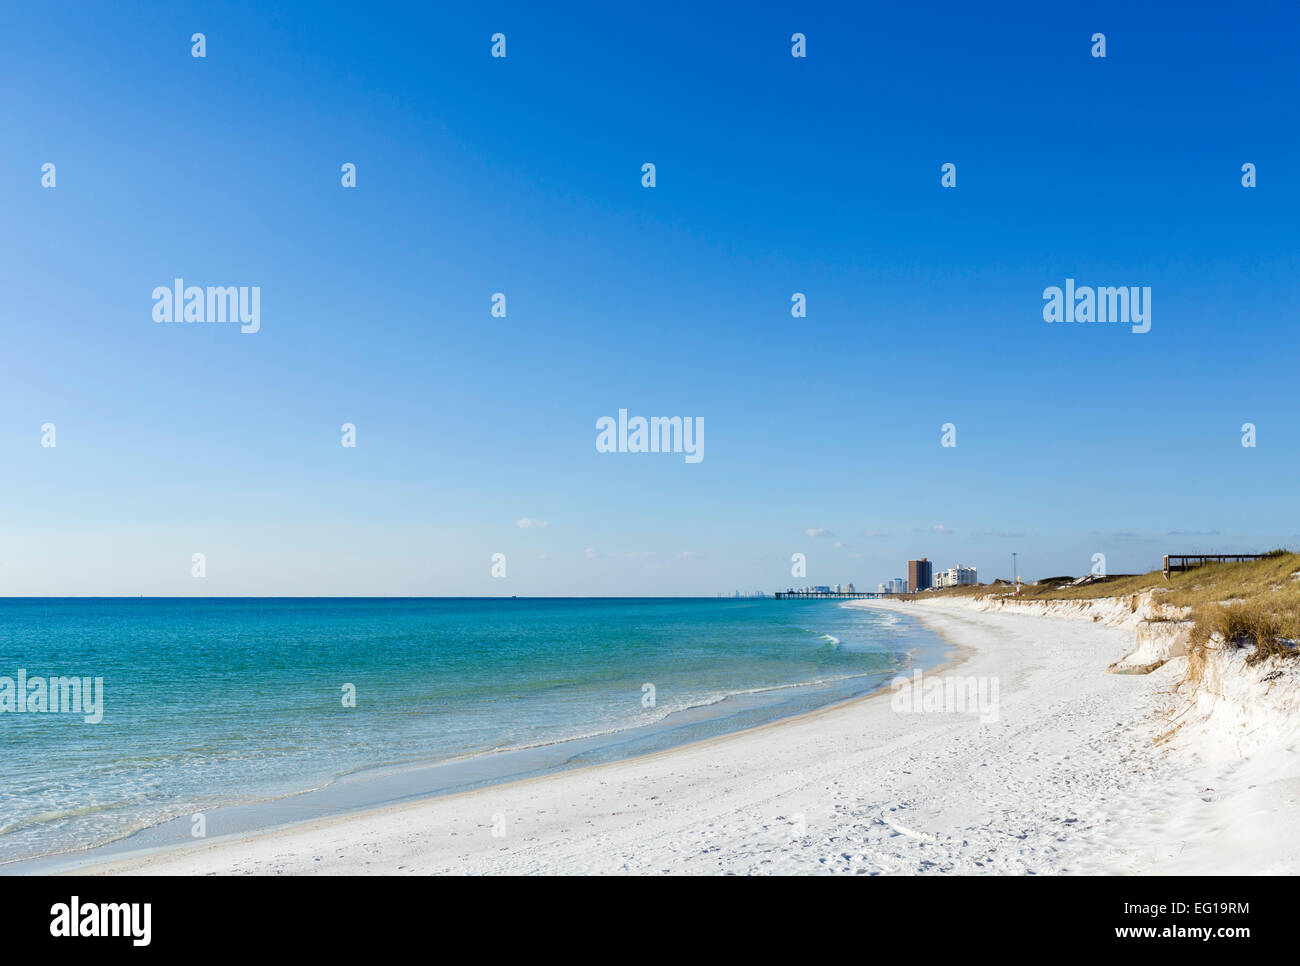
column 1013, row 568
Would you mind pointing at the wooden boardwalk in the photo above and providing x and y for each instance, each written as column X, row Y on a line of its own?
column 1186, row 561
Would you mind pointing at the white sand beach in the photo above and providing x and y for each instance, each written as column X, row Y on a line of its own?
column 1066, row 778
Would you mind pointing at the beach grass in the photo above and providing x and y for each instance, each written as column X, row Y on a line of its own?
column 1255, row 600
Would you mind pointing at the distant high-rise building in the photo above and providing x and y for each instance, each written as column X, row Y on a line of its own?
column 956, row 577
column 919, row 575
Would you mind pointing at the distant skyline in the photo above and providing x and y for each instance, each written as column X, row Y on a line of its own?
column 477, row 435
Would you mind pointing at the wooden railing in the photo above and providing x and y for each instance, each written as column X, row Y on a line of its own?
column 1186, row 561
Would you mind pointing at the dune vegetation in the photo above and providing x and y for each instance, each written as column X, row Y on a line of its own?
column 1255, row 600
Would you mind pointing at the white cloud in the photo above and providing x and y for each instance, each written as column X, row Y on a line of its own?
column 940, row 528
column 591, row 553
column 527, row 523
column 818, row 532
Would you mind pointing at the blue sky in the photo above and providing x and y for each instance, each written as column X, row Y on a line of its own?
column 523, row 176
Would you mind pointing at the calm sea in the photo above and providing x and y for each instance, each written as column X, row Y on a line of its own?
column 209, row 704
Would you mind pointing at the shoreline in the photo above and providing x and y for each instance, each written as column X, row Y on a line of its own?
column 216, row 855
column 510, row 767
column 114, row 866
column 1074, row 774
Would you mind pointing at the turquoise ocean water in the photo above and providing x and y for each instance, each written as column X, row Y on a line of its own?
column 214, row 703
